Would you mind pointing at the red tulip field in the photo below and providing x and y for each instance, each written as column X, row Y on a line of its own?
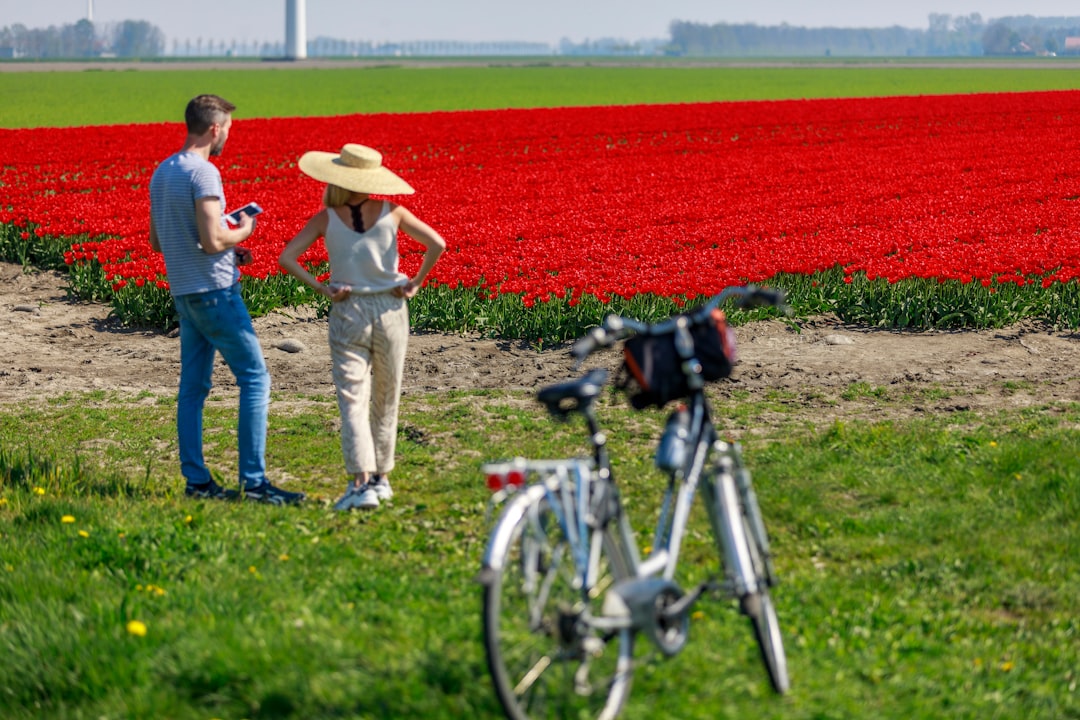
column 894, row 211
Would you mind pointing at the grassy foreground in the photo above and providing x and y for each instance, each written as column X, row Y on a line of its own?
column 930, row 568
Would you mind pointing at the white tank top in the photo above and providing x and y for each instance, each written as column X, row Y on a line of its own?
column 367, row 261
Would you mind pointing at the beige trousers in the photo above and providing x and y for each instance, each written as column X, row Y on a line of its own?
column 368, row 338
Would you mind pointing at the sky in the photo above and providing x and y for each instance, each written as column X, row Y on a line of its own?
column 548, row 21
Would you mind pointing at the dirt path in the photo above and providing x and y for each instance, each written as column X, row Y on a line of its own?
column 49, row 346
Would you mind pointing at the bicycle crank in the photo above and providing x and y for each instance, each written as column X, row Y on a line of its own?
column 652, row 606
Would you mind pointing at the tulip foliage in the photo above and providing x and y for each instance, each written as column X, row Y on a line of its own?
column 548, row 209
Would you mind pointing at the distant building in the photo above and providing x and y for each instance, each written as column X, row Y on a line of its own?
column 1072, row 46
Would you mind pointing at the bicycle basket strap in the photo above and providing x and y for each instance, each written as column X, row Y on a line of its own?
column 654, row 370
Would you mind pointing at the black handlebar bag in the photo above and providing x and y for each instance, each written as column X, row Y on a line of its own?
column 656, row 373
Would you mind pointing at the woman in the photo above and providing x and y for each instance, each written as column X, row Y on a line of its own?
column 369, row 318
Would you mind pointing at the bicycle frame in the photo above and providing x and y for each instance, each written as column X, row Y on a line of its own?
column 584, row 498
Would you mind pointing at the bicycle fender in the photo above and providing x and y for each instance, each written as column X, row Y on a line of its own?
column 511, row 515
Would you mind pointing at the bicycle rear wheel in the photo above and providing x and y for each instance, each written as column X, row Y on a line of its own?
column 545, row 659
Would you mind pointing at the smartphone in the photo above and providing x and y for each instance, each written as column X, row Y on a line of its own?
column 249, row 209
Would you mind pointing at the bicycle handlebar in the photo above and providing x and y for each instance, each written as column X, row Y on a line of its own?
column 617, row 327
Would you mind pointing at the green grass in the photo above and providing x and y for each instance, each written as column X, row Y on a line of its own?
column 930, row 568
column 105, row 97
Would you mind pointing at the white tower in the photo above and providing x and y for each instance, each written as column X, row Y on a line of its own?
column 90, row 10
column 295, row 30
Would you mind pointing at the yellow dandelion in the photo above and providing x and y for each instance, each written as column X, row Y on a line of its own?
column 188, row 519
column 39, row 491
column 252, row 570
column 3, row 502
column 993, row 443
column 283, row 557
column 83, row 533
column 1018, row 476
column 1007, row 666
column 137, row 628
column 68, row 519
column 697, row 615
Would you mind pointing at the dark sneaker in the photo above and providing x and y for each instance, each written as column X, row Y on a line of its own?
column 267, row 493
column 209, row 491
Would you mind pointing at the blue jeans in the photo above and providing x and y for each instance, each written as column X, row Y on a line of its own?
column 219, row 321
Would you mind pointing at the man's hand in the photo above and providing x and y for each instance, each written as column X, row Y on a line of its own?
column 246, row 224
column 243, row 256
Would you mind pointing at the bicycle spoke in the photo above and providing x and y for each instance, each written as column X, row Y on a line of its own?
column 532, row 676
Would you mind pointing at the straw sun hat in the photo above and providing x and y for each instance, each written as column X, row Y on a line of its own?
column 357, row 168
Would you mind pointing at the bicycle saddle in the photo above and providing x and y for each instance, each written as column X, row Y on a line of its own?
column 566, row 397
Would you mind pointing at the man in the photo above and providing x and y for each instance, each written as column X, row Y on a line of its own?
column 187, row 225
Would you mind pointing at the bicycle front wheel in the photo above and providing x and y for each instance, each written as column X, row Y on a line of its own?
column 758, row 606
column 545, row 658
column 747, row 572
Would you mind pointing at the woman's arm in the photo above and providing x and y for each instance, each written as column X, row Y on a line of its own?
column 426, row 235
column 289, row 260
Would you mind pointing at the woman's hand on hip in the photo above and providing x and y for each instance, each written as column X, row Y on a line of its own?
column 337, row 292
column 407, row 290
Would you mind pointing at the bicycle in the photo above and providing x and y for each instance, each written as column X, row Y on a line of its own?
column 566, row 592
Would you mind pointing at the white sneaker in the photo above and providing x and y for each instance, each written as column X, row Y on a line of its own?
column 369, row 499
column 381, row 486
column 357, row 496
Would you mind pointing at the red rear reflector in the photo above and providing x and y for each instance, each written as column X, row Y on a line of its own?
column 501, row 481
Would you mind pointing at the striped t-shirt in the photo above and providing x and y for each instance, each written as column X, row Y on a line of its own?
column 177, row 183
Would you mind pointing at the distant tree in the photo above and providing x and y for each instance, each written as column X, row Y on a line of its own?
column 83, row 38
column 137, row 38
column 972, row 23
column 695, row 39
column 999, row 39
column 131, row 38
column 9, row 35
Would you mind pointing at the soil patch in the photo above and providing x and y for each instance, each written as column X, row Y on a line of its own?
column 50, row 345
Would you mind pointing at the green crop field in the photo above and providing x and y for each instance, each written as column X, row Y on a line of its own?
column 103, row 96
column 929, row 563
